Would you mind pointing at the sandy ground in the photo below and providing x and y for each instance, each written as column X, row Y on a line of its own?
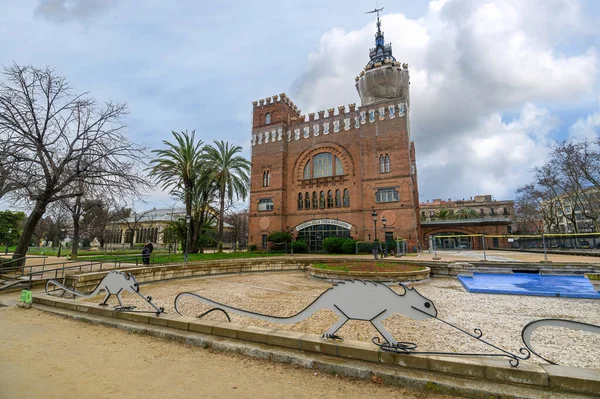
column 45, row 356
column 500, row 317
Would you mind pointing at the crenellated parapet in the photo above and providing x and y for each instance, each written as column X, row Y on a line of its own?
column 275, row 99
column 346, row 119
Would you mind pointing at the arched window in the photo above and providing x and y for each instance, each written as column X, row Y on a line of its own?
column 267, row 118
column 315, row 204
column 381, row 164
column 338, row 199
column 329, row 199
column 387, row 163
column 266, row 178
column 307, row 170
column 324, row 164
column 339, row 168
column 307, row 200
column 322, row 200
column 346, row 198
column 300, row 201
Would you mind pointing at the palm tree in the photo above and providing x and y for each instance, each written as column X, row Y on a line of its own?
column 177, row 168
column 231, row 174
column 444, row 214
column 466, row 213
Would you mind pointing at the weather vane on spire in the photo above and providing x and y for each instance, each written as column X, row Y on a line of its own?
column 379, row 41
column 376, row 10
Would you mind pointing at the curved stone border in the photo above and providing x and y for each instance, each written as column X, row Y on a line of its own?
column 416, row 275
column 541, row 376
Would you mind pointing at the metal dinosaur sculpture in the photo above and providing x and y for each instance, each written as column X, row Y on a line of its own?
column 350, row 300
column 114, row 283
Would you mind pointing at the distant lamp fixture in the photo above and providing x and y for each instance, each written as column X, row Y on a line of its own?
column 375, row 248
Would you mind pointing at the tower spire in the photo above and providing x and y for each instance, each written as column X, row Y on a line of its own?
column 379, row 41
column 381, row 52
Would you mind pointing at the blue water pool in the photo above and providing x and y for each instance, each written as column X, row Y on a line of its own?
column 530, row 284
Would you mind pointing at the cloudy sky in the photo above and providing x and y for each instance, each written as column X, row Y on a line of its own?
column 493, row 82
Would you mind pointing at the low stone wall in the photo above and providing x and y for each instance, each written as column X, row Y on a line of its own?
column 87, row 281
column 416, row 275
column 558, row 378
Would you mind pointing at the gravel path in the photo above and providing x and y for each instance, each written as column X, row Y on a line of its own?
column 500, row 317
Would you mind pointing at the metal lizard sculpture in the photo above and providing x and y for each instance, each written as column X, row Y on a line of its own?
column 350, row 300
column 114, row 283
column 575, row 325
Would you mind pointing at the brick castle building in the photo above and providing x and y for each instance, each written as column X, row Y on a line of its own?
column 327, row 174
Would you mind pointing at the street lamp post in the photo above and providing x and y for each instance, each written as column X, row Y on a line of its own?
column 375, row 248
column 385, row 249
column 293, row 234
column 187, row 237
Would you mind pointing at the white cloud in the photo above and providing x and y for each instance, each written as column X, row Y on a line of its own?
column 586, row 128
column 471, row 62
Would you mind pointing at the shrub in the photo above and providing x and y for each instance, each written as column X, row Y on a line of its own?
column 252, row 247
column 365, row 247
column 278, row 237
column 333, row 245
column 349, row 246
column 300, row 247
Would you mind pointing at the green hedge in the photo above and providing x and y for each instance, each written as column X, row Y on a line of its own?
column 349, row 246
column 300, row 247
column 333, row 245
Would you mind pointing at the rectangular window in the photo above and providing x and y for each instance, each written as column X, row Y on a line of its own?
column 264, row 241
column 495, row 242
column 323, row 164
column 265, row 204
column 387, row 195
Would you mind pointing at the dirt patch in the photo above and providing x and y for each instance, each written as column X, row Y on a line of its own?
column 45, row 356
column 368, row 267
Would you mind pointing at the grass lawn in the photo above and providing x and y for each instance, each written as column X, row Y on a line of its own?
column 368, row 266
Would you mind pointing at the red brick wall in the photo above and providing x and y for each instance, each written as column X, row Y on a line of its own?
column 359, row 150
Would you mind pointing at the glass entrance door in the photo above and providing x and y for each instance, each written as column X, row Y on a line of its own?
column 314, row 235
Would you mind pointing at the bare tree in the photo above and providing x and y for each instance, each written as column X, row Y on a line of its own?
column 580, row 183
column 65, row 139
column 539, row 201
column 237, row 232
column 529, row 212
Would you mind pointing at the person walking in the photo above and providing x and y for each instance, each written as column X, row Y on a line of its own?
column 148, row 248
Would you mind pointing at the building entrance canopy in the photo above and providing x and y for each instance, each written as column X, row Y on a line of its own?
column 315, row 231
column 317, row 222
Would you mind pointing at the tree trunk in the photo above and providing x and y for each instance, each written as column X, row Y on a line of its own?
column 75, row 241
column 221, row 212
column 29, row 228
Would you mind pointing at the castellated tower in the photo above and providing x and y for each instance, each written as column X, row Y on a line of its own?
column 324, row 175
